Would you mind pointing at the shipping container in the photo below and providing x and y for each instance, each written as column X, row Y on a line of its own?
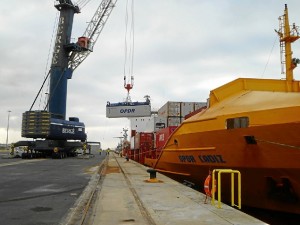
column 179, row 109
column 136, row 155
column 194, row 113
column 149, row 134
column 146, row 137
column 169, row 109
column 142, row 139
column 125, row 109
column 144, row 146
column 199, row 105
column 163, row 122
column 136, row 141
column 160, row 120
column 162, row 136
column 186, row 108
column 131, row 155
column 174, row 121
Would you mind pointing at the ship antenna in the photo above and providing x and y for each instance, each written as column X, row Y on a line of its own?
column 287, row 35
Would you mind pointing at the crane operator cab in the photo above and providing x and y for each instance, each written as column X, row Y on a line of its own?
column 84, row 43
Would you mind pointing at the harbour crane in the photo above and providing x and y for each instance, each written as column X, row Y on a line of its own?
column 54, row 135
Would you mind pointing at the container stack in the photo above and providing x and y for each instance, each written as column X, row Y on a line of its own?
column 173, row 113
column 149, row 134
column 162, row 136
column 143, row 146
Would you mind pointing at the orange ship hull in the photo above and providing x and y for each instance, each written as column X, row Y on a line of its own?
column 265, row 167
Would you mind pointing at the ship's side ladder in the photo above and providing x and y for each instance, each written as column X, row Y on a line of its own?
column 232, row 172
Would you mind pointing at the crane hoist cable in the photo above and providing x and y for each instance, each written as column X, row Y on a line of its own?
column 82, row 3
column 54, row 89
column 132, row 35
column 48, row 97
column 55, row 27
column 129, row 48
column 129, row 45
column 40, row 92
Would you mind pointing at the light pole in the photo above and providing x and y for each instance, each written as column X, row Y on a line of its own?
column 7, row 128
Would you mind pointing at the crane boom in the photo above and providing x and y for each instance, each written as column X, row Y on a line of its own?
column 92, row 32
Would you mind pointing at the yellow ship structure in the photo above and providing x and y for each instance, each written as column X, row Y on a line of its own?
column 251, row 125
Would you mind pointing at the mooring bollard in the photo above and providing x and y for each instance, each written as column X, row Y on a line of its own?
column 152, row 173
column 153, row 178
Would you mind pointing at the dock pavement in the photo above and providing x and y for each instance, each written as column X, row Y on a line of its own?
column 125, row 196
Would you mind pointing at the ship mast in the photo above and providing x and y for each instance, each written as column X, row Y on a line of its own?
column 287, row 36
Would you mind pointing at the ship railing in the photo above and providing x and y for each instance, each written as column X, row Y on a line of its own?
column 232, row 172
column 145, row 152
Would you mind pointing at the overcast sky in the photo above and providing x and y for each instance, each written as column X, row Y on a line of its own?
column 183, row 49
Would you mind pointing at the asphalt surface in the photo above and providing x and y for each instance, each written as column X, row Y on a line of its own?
column 42, row 191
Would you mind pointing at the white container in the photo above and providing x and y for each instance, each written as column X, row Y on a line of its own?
column 119, row 111
column 174, row 121
column 169, row 109
column 186, row 108
column 199, row 105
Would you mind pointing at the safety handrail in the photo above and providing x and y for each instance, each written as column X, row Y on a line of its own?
column 232, row 172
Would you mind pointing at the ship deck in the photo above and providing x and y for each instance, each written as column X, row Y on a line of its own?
column 125, row 197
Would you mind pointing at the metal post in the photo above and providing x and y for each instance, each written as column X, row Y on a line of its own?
column 7, row 128
column 240, row 190
column 213, row 184
column 47, row 101
column 219, row 189
column 232, row 189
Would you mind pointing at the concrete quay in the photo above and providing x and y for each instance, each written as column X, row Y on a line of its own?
column 125, row 196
